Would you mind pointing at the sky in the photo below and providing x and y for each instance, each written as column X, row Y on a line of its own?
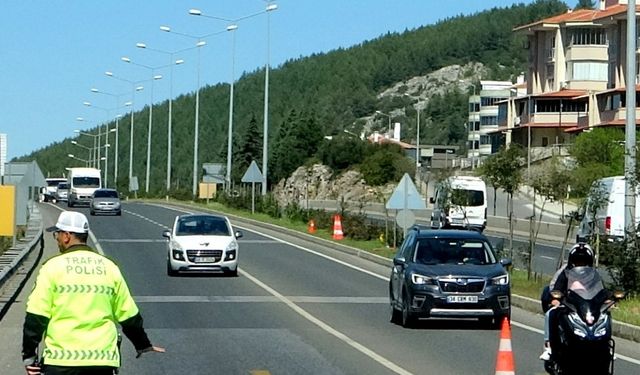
column 53, row 52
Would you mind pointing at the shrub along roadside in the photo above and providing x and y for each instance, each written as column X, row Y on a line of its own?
column 628, row 311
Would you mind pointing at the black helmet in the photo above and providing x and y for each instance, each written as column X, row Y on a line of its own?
column 580, row 255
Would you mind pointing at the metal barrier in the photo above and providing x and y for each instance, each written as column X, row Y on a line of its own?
column 11, row 259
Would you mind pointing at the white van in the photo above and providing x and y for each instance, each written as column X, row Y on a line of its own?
column 50, row 190
column 609, row 216
column 82, row 183
column 460, row 201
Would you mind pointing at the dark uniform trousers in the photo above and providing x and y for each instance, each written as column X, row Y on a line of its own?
column 86, row 370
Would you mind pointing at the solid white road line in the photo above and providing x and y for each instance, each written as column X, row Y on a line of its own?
column 327, row 328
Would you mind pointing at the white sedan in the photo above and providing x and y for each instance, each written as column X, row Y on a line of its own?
column 202, row 243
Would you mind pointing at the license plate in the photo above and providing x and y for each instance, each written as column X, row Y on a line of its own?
column 462, row 299
column 204, row 259
column 457, row 221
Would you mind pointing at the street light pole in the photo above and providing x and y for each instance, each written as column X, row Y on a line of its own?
column 92, row 154
column 89, row 149
column 270, row 7
column 106, row 142
column 117, row 128
column 134, row 88
column 265, row 135
column 170, row 120
column 200, row 43
column 154, row 77
column 231, row 28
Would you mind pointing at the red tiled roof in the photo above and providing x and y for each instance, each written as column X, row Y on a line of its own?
column 579, row 15
column 534, row 125
column 614, row 123
column 569, row 94
column 617, row 89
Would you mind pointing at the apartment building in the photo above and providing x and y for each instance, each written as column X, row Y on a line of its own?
column 576, row 78
column 483, row 118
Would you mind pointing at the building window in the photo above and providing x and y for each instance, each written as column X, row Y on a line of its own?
column 487, row 101
column 592, row 36
column 485, row 140
column 474, row 107
column 488, row 120
column 545, row 141
column 589, row 71
column 553, row 106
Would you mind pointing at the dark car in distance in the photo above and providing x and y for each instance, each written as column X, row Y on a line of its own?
column 448, row 273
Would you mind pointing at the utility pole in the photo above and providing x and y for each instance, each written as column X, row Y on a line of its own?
column 630, row 126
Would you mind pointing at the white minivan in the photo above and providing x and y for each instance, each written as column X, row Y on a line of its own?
column 460, row 201
column 82, row 183
column 604, row 209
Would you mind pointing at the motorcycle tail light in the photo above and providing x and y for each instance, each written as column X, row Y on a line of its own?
column 607, row 225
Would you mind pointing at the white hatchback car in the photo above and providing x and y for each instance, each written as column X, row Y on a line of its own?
column 202, row 243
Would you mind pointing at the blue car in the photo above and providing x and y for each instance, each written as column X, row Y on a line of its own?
column 448, row 273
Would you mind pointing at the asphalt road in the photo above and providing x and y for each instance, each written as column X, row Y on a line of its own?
column 295, row 308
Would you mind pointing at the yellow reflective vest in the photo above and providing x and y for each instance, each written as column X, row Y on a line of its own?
column 84, row 296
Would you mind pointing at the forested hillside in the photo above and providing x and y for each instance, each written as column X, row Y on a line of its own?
column 315, row 96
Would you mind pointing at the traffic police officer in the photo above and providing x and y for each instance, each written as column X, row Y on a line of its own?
column 78, row 298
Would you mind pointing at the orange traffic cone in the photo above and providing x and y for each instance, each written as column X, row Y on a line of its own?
column 311, row 228
column 504, row 363
column 337, row 228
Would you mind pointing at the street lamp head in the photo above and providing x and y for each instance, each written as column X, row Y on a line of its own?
column 271, row 7
column 128, row 104
column 94, row 90
column 74, row 142
column 157, row 77
column 201, row 43
column 71, row 155
column 166, row 29
column 195, row 12
column 232, row 27
column 110, row 74
column 125, row 59
column 141, row 45
column 88, row 104
column 79, row 119
column 139, row 88
column 180, row 61
column 114, row 129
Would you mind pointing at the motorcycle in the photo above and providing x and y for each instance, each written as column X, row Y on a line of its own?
column 580, row 336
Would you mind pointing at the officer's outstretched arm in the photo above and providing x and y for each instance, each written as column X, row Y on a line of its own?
column 32, row 331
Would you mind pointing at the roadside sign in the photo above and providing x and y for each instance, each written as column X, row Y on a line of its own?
column 406, row 196
column 8, row 209
column 133, row 183
column 253, row 173
column 405, row 219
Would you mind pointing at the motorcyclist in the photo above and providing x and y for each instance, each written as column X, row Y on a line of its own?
column 580, row 255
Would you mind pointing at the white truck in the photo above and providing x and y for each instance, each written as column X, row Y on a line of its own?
column 605, row 210
column 49, row 191
column 82, row 183
column 460, row 201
